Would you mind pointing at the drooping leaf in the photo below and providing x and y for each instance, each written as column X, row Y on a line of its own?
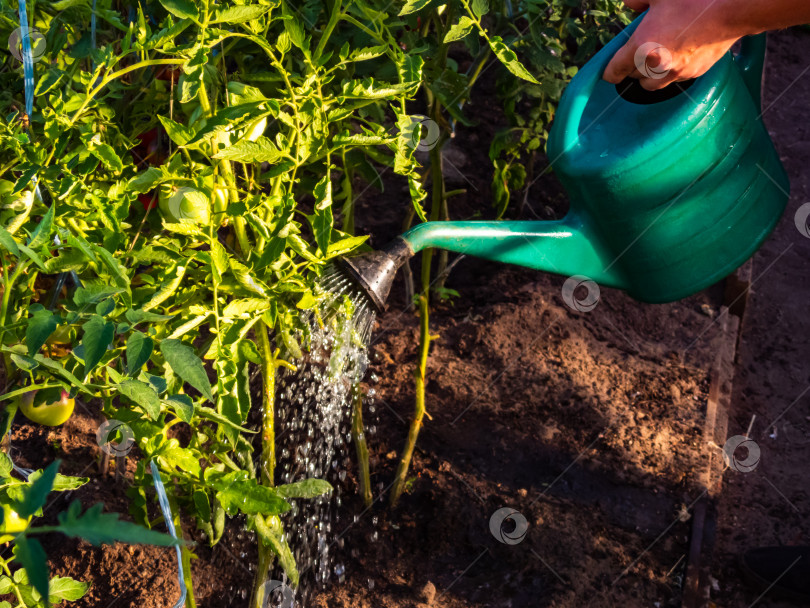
column 32, row 557
column 8, row 242
column 36, row 493
column 98, row 335
column 249, row 497
column 308, row 488
column 459, row 30
column 42, row 232
column 139, row 349
column 183, row 406
column 99, row 528
column 41, row 325
column 509, row 59
column 187, row 365
column 142, row 394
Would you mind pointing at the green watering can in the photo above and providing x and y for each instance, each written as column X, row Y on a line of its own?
column 670, row 191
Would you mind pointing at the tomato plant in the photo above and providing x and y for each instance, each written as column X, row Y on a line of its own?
column 184, row 178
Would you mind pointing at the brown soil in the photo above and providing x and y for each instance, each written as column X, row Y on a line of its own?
column 588, row 424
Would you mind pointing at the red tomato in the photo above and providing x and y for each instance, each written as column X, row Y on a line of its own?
column 169, row 73
column 148, row 200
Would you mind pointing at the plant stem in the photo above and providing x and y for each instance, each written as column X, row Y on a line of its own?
column 359, row 438
column 424, row 331
column 13, row 584
column 268, row 457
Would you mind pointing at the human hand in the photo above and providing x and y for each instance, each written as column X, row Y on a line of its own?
column 677, row 40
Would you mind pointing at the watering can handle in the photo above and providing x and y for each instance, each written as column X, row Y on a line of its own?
column 751, row 61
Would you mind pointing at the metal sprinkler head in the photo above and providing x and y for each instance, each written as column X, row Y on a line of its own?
column 374, row 271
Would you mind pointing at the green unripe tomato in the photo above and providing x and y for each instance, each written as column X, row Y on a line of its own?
column 184, row 204
column 12, row 524
column 49, row 407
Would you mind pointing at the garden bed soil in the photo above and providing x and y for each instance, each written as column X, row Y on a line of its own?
column 588, row 424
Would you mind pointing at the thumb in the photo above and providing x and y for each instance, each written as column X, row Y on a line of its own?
column 621, row 65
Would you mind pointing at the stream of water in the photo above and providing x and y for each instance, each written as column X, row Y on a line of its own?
column 314, row 413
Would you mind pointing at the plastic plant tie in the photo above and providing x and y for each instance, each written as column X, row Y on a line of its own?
column 93, row 26
column 28, row 61
column 167, row 515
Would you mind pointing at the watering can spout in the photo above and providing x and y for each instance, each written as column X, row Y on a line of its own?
column 563, row 247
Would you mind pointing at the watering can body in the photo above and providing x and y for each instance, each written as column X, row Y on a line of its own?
column 666, row 198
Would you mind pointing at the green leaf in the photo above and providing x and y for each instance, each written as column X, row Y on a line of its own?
column 295, row 30
column 460, row 30
column 146, row 180
column 66, row 588
column 367, row 53
column 480, row 8
column 96, row 528
column 186, row 364
column 344, row 246
column 237, row 308
column 32, row 557
column 322, row 220
column 246, row 151
column 246, row 278
column 107, row 155
column 179, row 134
column 36, row 493
column 6, row 467
column 509, row 59
column 411, row 6
column 271, row 533
column 142, row 394
column 308, row 488
column 64, row 483
column 143, row 316
column 118, row 272
column 139, row 349
column 42, row 232
column 8, row 242
column 184, row 9
column 249, row 497
column 30, row 253
column 239, row 14
column 97, row 336
column 202, row 504
column 41, row 325
column 183, row 406
column 66, row 261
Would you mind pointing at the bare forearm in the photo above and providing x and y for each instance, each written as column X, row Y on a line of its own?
column 756, row 16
